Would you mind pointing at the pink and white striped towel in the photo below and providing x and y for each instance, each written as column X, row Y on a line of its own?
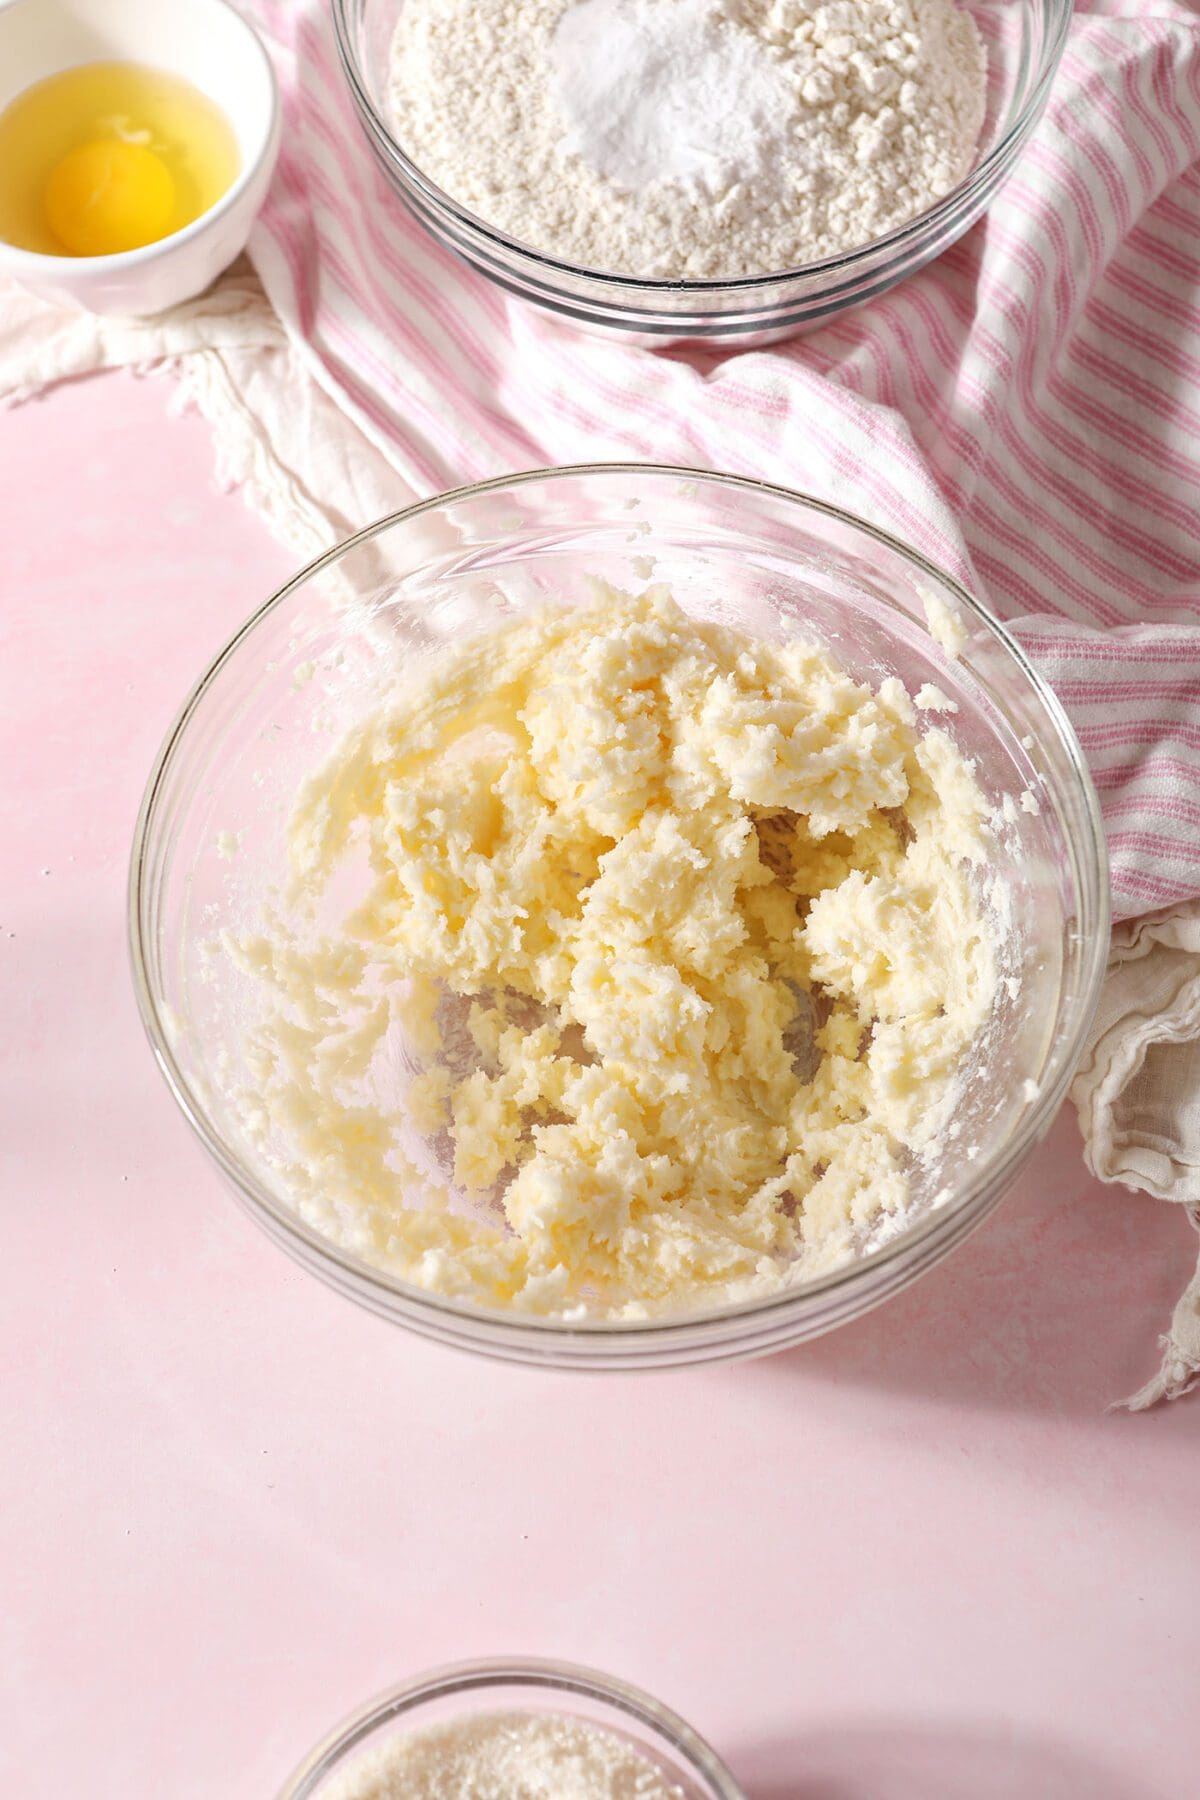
column 1026, row 411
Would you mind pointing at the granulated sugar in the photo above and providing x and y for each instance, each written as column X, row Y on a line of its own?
column 690, row 139
column 505, row 1756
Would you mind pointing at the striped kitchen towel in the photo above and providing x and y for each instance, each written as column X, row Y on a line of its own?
column 1026, row 410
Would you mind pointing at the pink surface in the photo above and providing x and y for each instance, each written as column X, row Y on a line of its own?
column 915, row 1561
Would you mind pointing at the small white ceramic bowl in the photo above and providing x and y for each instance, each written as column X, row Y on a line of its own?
column 211, row 46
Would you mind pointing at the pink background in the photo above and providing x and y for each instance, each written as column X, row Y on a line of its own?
column 915, row 1561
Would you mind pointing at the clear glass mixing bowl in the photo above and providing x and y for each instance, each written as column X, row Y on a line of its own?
column 210, row 843
column 465, row 1690
column 1024, row 40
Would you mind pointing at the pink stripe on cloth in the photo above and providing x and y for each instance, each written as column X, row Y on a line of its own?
column 1026, row 411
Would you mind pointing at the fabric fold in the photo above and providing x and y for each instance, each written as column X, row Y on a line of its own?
column 1137, row 1092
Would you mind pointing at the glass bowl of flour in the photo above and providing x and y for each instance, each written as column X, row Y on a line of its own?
column 698, row 169
column 514, row 1727
column 619, row 917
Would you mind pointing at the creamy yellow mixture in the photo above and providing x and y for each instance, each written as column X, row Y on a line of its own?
column 687, row 933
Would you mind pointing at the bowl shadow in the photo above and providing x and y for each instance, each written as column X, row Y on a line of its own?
column 882, row 1760
column 1054, row 1305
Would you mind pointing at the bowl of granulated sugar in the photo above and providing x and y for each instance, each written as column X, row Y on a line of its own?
column 674, row 170
column 513, row 1730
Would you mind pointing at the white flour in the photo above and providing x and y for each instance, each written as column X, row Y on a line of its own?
column 693, row 139
column 505, row 1756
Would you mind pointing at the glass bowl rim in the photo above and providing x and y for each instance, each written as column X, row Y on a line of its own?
column 846, row 264
column 479, row 1675
column 505, row 1328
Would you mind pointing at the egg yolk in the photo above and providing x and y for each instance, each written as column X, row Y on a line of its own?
column 109, row 196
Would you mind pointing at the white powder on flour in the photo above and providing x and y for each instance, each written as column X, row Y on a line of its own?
column 506, row 1756
column 690, row 139
column 655, row 90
